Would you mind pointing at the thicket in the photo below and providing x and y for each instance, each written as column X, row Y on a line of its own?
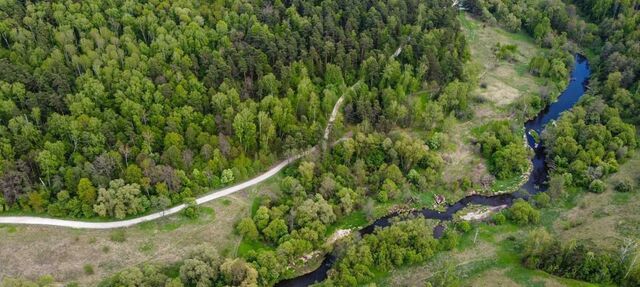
column 577, row 260
column 501, row 144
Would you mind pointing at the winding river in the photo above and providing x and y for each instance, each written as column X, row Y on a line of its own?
column 535, row 184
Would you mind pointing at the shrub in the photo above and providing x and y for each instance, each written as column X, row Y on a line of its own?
column 88, row 269
column 542, row 199
column 191, row 211
column 118, row 236
column 499, row 218
column 624, row 185
column 597, row 186
column 522, row 213
column 463, row 226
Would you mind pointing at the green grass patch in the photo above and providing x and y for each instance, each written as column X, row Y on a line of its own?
column 118, row 236
column 355, row 219
column 247, row 245
column 508, row 184
column 621, row 198
column 9, row 228
column 255, row 204
column 147, row 247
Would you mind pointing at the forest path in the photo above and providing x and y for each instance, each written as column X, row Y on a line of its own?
column 34, row 220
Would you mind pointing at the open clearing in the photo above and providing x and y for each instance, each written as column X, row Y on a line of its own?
column 505, row 81
column 604, row 219
column 33, row 251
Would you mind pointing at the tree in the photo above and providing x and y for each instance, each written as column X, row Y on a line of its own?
column 86, row 192
column 227, row 176
column 522, row 213
column 261, row 218
column 542, row 29
column 133, row 174
column 245, row 129
column 237, row 272
column 556, row 187
column 120, row 200
column 247, row 228
column 49, row 164
column 191, row 211
column 510, row 160
column 197, row 273
column 275, row 230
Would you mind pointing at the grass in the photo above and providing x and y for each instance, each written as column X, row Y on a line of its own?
column 33, row 251
column 353, row 220
column 118, row 236
column 88, row 269
column 504, row 81
column 508, row 184
column 606, row 218
column 247, row 245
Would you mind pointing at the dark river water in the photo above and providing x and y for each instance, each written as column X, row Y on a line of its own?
column 536, row 183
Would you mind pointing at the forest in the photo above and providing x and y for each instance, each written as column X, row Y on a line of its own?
column 114, row 109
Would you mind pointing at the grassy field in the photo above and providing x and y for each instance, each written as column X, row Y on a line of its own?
column 505, row 81
column 33, row 251
column 604, row 219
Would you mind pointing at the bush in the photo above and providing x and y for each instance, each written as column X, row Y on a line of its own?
column 88, row 269
column 118, row 236
column 522, row 213
column 624, row 185
column 499, row 218
column 191, row 211
column 597, row 186
column 542, row 199
column 463, row 226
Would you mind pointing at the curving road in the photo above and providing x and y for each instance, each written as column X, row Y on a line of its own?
column 129, row 222
column 33, row 220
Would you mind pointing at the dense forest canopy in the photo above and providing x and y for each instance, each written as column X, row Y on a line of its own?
column 113, row 108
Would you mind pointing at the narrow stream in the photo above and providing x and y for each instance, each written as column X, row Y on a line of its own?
column 536, row 183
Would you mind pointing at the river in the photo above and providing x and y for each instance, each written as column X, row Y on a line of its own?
column 536, row 183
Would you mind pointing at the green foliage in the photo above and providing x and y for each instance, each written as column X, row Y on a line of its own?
column 464, row 226
column 247, row 228
column 575, row 260
column 118, row 236
column 120, row 200
column 191, row 211
column 403, row 243
column 585, row 142
column 597, row 186
column 505, row 52
column 88, row 269
column 504, row 149
column 556, row 189
column 499, row 218
column 173, row 102
column 522, row 213
column 624, row 184
column 542, row 200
